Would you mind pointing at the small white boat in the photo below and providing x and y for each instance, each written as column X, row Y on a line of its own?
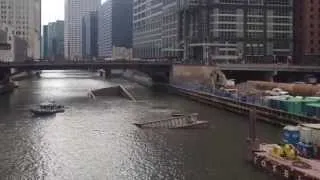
column 47, row 108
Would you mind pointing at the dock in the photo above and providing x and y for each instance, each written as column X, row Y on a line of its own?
column 181, row 122
column 272, row 116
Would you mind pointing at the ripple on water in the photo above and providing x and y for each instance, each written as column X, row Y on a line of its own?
column 96, row 139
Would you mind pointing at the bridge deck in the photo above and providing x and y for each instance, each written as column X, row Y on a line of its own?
column 151, row 63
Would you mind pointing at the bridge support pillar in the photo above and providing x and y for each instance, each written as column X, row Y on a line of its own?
column 38, row 74
column 107, row 73
column 269, row 76
column 4, row 75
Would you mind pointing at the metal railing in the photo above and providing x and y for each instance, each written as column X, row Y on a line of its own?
column 79, row 62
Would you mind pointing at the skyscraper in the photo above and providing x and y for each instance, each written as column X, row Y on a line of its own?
column 24, row 16
column 148, row 28
column 114, row 26
column 89, row 36
column 45, row 42
column 56, row 40
column 219, row 30
column 74, row 11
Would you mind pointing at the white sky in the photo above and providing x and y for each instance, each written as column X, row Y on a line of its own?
column 52, row 10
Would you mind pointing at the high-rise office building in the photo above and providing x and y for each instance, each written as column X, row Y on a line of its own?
column 306, row 31
column 24, row 16
column 74, row 11
column 223, row 30
column 147, row 28
column 45, row 42
column 114, row 26
column 220, row 30
column 89, row 38
column 56, row 40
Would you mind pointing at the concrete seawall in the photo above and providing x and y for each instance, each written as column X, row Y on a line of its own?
column 196, row 74
column 138, row 77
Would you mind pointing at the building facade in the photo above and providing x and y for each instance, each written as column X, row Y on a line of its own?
column 223, row 30
column 12, row 47
column 24, row 16
column 89, row 38
column 56, row 40
column 74, row 11
column 45, row 42
column 114, row 26
column 214, row 31
column 306, row 32
column 147, row 28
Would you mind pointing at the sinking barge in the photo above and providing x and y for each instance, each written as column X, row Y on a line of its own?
column 180, row 122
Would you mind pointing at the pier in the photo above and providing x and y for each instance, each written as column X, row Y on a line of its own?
column 272, row 116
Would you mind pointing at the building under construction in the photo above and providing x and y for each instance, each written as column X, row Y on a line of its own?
column 235, row 30
column 213, row 30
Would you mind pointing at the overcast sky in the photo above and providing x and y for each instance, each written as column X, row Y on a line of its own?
column 52, row 10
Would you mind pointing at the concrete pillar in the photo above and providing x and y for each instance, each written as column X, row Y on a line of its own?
column 4, row 75
column 269, row 76
column 107, row 73
column 38, row 74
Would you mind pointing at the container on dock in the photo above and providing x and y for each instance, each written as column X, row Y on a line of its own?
column 306, row 135
column 295, row 106
column 317, row 99
column 275, row 101
column 315, row 133
column 305, row 150
column 291, row 135
column 313, row 109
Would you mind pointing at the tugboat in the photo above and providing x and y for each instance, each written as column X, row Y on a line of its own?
column 48, row 108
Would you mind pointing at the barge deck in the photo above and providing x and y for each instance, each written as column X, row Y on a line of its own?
column 284, row 168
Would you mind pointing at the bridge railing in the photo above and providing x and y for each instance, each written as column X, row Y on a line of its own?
column 46, row 62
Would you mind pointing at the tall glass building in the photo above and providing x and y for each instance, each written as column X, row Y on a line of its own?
column 114, row 26
column 89, row 36
column 56, row 40
column 74, row 11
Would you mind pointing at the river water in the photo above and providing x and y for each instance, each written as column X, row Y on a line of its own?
column 95, row 139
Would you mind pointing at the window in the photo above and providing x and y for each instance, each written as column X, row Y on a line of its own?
column 311, row 41
column 312, row 50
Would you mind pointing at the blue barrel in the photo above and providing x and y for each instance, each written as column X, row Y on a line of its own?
column 305, row 150
column 291, row 135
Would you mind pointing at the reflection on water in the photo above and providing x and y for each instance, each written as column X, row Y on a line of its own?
column 96, row 139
